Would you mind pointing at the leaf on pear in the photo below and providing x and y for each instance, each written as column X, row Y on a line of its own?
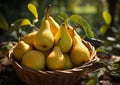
column 78, row 19
column 33, row 10
column 107, row 17
column 3, row 23
column 19, row 23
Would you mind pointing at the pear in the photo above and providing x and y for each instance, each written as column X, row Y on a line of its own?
column 34, row 59
column 54, row 26
column 63, row 38
column 72, row 31
column 44, row 39
column 21, row 49
column 68, row 63
column 79, row 52
column 55, row 60
column 29, row 38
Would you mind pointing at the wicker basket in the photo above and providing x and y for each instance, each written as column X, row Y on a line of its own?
column 57, row 77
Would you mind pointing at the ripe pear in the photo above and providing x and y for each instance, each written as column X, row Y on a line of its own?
column 29, row 38
column 54, row 26
column 34, row 59
column 72, row 31
column 63, row 38
column 68, row 63
column 44, row 39
column 21, row 49
column 79, row 52
column 55, row 60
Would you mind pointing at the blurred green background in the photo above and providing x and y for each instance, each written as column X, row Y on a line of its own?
column 91, row 10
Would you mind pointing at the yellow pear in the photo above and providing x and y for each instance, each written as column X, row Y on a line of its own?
column 44, row 39
column 20, row 49
column 68, row 63
column 63, row 38
column 79, row 52
column 54, row 26
column 72, row 31
column 34, row 59
column 29, row 38
column 55, row 60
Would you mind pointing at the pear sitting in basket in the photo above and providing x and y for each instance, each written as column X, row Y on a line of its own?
column 34, row 59
column 79, row 52
column 20, row 49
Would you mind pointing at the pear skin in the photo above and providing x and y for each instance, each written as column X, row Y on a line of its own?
column 63, row 38
column 21, row 49
column 55, row 60
column 73, row 32
column 34, row 59
column 68, row 63
column 79, row 52
column 44, row 39
column 54, row 26
column 29, row 38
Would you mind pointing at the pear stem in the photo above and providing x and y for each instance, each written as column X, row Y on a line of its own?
column 36, row 28
column 21, row 36
column 76, row 26
column 48, row 11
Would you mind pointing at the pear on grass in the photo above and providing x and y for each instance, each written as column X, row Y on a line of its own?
column 79, row 52
column 29, row 38
column 21, row 49
column 55, row 60
column 34, row 59
column 44, row 39
column 63, row 38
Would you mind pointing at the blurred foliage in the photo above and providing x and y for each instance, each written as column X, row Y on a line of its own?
column 96, row 13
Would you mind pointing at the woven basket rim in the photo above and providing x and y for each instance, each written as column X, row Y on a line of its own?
column 67, row 71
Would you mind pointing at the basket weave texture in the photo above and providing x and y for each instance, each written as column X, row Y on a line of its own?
column 57, row 77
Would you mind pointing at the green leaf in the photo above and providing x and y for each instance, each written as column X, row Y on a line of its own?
column 101, row 50
column 103, row 29
column 78, row 19
column 19, row 23
column 97, row 73
column 107, row 17
column 33, row 10
column 63, row 16
column 3, row 22
column 91, row 82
